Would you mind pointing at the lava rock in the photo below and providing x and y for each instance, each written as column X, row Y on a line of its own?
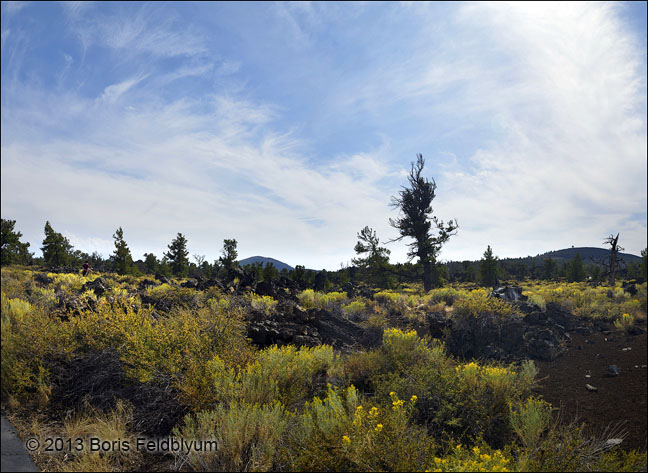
column 613, row 370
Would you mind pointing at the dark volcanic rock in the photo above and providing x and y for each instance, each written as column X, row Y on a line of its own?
column 509, row 293
column 290, row 323
column 146, row 283
column 190, row 283
column 43, row 278
column 538, row 335
column 162, row 278
column 99, row 286
column 613, row 370
column 438, row 323
column 98, row 378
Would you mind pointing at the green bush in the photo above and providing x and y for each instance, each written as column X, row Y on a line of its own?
column 247, row 437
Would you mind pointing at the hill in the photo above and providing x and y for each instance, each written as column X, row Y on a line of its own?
column 264, row 260
column 586, row 253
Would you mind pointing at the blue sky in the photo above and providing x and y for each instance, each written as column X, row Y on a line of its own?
column 289, row 126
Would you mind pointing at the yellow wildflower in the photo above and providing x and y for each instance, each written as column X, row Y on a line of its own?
column 379, row 427
column 346, row 439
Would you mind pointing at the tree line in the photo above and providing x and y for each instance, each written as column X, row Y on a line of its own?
column 416, row 221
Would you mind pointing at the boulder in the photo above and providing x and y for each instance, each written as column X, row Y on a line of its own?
column 190, row 283
column 99, row 286
column 508, row 293
column 162, row 278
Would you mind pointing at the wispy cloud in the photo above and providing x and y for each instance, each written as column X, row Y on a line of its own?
column 532, row 120
column 147, row 30
column 113, row 92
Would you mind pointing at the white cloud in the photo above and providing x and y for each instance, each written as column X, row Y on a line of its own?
column 113, row 92
column 551, row 97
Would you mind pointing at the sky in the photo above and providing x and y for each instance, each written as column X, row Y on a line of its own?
column 289, row 126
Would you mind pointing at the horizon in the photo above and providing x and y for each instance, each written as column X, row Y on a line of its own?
column 279, row 124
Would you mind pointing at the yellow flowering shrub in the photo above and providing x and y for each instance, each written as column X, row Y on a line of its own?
column 311, row 299
column 265, row 304
column 354, row 307
column 340, row 433
column 477, row 302
column 624, row 323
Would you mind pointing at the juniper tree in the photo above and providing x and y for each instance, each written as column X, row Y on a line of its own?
column 178, row 256
column 56, row 248
column 415, row 221
column 122, row 258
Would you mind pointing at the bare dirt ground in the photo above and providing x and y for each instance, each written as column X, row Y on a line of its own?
column 618, row 399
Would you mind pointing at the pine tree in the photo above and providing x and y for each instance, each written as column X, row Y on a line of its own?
column 56, row 248
column 230, row 255
column 374, row 265
column 415, row 204
column 12, row 249
column 270, row 273
column 321, row 282
column 575, row 270
column 488, row 268
column 150, row 263
column 549, row 269
column 122, row 258
column 178, row 256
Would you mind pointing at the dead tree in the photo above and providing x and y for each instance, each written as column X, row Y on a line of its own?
column 611, row 262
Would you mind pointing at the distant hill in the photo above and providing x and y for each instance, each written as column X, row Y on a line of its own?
column 263, row 260
column 565, row 255
column 586, row 253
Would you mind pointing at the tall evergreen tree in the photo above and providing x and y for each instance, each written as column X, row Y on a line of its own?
column 549, row 269
column 230, row 255
column 150, row 263
column 56, row 248
column 270, row 273
column 488, row 268
column 321, row 282
column 644, row 264
column 12, row 250
column 415, row 205
column 178, row 256
column 575, row 270
column 122, row 257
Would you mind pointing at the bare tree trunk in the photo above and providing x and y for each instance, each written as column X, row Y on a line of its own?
column 613, row 260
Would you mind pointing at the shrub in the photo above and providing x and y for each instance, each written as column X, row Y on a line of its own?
column 265, row 304
column 311, row 299
column 477, row 302
column 624, row 323
column 247, row 437
column 340, row 433
column 447, row 295
column 530, row 420
column 354, row 307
